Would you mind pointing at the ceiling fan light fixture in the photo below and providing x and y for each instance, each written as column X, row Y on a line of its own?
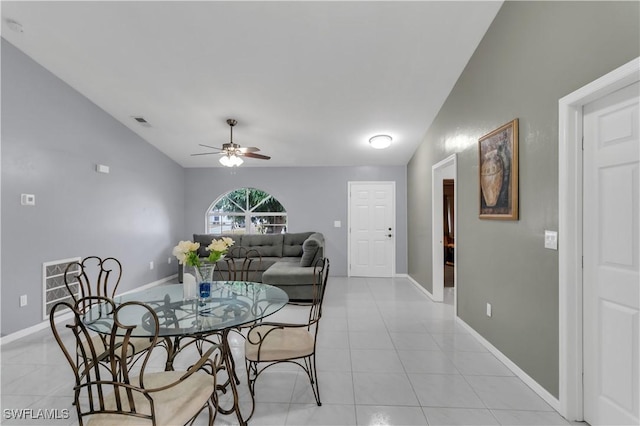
column 380, row 141
column 231, row 160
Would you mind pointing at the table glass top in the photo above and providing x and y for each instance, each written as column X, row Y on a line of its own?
column 232, row 304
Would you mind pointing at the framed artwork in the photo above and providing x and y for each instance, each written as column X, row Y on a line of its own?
column 498, row 173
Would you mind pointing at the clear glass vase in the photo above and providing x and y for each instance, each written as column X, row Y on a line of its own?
column 189, row 283
column 204, row 279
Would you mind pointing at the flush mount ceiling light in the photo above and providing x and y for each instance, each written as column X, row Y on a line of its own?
column 380, row 141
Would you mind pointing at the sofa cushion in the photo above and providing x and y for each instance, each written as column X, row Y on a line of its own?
column 309, row 250
column 267, row 245
column 292, row 244
column 288, row 273
column 320, row 252
column 205, row 240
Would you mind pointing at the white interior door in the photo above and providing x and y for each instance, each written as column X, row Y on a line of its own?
column 611, row 258
column 371, row 229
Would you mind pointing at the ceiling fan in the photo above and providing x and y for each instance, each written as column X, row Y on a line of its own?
column 231, row 152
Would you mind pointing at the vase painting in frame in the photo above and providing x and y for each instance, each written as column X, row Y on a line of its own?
column 498, row 173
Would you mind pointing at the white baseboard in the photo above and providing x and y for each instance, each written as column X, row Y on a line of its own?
column 45, row 324
column 152, row 284
column 419, row 287
column 535, row 386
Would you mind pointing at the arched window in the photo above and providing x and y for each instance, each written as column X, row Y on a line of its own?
column 246, row 211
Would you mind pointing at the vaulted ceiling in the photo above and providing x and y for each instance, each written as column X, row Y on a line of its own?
column 308, row 82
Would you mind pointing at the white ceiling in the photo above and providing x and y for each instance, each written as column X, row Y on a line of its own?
column 308, row 82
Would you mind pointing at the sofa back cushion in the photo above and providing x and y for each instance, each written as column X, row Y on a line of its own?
column 267, row 245
column 205, row 240
column 292, row 244
column 312, row 249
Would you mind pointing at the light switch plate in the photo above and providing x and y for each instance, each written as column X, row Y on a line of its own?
column 337, row 224
column 27, row 199
column 101, row 168
column 551, row 240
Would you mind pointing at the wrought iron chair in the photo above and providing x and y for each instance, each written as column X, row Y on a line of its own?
column 243, row 264
column 93, row 276
column 97, row 277
column 106, row 392
column 270, row 343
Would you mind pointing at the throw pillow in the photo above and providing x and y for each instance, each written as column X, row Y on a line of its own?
column 309, row 250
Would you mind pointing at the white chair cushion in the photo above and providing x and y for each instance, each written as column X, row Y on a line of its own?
column 286, row 343
column 174, row 406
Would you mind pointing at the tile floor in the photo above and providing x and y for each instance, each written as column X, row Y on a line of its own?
column 387, row 355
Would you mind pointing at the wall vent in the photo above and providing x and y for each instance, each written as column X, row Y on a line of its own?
column 142, row 121
column 53, row 287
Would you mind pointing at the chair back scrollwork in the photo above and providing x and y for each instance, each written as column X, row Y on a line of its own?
column 93, row 276
column 243, row 264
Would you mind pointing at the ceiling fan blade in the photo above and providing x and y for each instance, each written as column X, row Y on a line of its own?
column 248, row 149
column 204, row 153
column 259, row 156
column 208, row 146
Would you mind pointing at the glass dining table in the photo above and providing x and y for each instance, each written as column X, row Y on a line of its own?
column 197, row 321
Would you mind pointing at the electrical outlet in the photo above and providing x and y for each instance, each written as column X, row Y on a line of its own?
column 169, row 260
column 151, row 265
column 489, row 309
column 23, row 300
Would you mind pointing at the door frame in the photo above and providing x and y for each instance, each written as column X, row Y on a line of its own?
column 445, row 169
column 393, row 220
column 570, row 205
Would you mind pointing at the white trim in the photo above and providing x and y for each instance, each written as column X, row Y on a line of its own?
column 151, row 284
column 570, row 231
column 535, row 386
column 44, row 324
column 439, row 172
column 419, row 287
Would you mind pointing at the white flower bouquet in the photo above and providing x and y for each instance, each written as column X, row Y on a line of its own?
column 187, row 251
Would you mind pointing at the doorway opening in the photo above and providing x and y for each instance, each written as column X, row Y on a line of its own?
column 441, row 216
column 448, row 226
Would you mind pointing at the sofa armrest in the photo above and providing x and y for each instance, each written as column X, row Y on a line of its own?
column 312, row 249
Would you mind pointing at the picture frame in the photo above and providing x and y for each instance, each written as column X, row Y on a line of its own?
column 498, row 173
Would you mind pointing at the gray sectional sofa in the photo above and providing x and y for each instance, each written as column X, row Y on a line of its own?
column 287, row 259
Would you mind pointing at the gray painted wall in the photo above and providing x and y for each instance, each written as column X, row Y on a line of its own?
column 533, row 54
column 52, row 139
column 314, row 198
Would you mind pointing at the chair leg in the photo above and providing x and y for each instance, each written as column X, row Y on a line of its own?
column 310, row 363
column 252, row 375
column 309, row 367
